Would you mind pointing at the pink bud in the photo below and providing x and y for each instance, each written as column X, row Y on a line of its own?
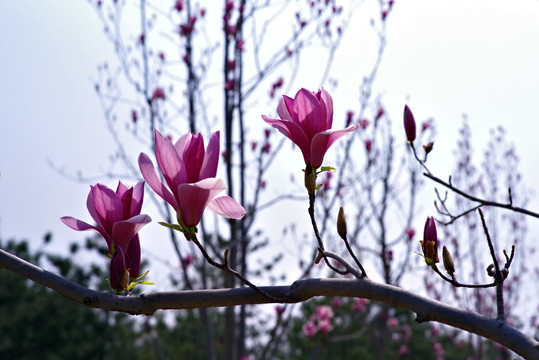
column 363, row 123
column 134, row 116
column 158, row 93
column 229, row 84
column 240, row 45
column 229, row 6
column 178, row 5
column 188, row 260
column 379, row 113
column 410, row 233
column 349, row 118
column 368, row 145
column 279, row 309
column 409, row 124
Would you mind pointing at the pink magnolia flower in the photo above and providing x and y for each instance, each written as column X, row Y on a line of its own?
column 118, row 218
column 309, row 329
column 306, row 120
column 324, row 325
column 359, row 304
column 324, row 312
column 189, row 172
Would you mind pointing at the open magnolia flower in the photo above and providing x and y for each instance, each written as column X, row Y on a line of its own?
column 118, row 218
column 306, row 120
column 190, row 183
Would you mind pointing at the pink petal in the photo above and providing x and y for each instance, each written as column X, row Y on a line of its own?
column 183, row 142
column 289, row 106
column 148, row 173
column 322, row 141
column 282, row 110
column 77, row 224
column 193, row 157
column 138, row 197
column 121, row 189
column 124, row 231
column 108, row 206
column 92, row 210
column 294, row 132
column 211, row 158
column 195, row 197
column 169, row 161
column 309, row 112
column 80, row 225
column 327, row 105
column 227, row 207
column 117, row 268
column 132, row 257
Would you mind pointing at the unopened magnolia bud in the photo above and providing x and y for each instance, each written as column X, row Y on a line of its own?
column 310, row 178
column 429, row 244
column 341, row 224
column 448, row 261
column 409, row 124
column 428, row 147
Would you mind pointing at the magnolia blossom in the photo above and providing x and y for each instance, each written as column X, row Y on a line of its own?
column 118, row 219
column 189, row 172
column 306, row 120
column 309, row 329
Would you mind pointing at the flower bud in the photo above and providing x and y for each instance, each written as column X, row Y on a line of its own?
column 409, row 124
column 448, row 261
column 119, row 274
column 310, row 178
column 428, row 147
column 341, row 224
column 430, row 242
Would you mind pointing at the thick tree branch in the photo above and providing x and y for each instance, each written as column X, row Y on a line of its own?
column 426, row 309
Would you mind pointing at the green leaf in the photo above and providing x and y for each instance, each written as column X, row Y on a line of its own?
column 326, row 168
column 172, row 226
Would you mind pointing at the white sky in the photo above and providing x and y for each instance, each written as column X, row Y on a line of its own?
column 444, row 58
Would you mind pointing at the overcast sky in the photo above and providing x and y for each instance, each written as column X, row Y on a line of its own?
column 444, row 58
